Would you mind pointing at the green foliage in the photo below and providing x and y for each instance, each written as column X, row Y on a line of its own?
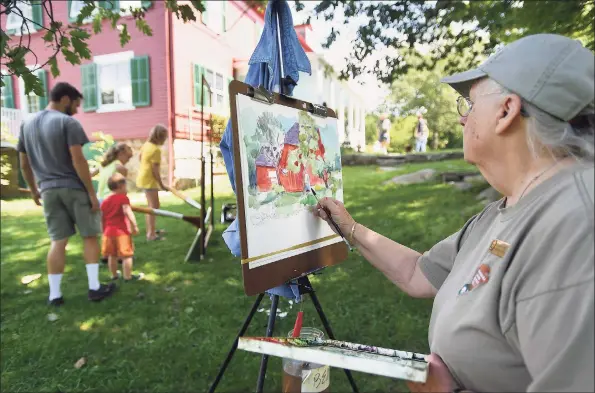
column 401, row 133
column 372, row 129
column 70, row 40
column 99, row 148
column 218, row 124
column 421, row 90
column 5, row 166
column 464, row 32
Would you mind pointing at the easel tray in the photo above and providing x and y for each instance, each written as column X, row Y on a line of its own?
column 407, row 365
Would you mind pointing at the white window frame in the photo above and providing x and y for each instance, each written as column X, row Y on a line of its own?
column 14, row 21
column 23, row 97
column 88, row 19
column 110, row 59
column 215, row 16
column 126, row 4
column 214, row 108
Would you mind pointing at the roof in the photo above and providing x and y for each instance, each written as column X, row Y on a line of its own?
column 292, row 136
column 263, row 160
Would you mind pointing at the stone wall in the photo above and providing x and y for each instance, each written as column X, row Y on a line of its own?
column 397, row 159
column 134, row 162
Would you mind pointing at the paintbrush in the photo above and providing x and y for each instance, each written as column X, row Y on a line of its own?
column 328, row 213
column 318, row 342
column 194, row 220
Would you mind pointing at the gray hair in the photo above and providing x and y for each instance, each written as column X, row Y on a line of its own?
column 560, row 138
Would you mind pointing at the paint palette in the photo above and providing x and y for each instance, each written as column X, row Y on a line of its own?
column 372, row 360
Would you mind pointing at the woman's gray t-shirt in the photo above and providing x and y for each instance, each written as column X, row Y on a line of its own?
column 514, row 308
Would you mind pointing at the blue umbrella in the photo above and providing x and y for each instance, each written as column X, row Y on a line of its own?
column 266, row 66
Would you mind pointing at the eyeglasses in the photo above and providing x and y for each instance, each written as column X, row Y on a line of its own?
column 465, row 105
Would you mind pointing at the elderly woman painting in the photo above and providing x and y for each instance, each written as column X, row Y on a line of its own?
column 513, row 288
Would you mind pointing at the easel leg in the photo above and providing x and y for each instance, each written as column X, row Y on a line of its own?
column 235, row 343
column 328, row 329
column 265, row 358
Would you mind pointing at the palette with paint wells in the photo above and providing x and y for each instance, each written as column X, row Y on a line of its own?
column 391, row 363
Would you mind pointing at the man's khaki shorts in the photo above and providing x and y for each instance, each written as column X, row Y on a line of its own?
column 66, row 207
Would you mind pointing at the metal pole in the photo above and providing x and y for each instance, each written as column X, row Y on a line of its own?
column 282, row 74
column 235, row 343
column 201, row 245
column 265, row 358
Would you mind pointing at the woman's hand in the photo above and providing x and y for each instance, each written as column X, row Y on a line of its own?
column 338, row 212
column 439, row 378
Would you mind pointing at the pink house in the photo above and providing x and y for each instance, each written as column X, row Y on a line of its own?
column 150, row 80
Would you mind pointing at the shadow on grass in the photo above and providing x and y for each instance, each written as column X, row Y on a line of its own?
column 171, row 331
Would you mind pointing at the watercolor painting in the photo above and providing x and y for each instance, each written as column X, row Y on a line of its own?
column 284, row 153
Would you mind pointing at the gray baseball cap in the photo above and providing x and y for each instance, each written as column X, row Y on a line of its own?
column 550, row 71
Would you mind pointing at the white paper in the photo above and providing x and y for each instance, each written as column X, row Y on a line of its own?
column 277, row 203
column 317, row 380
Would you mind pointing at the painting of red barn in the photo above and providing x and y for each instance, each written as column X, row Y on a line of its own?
column 285, row 153
column 266, row 171
column 292, row 180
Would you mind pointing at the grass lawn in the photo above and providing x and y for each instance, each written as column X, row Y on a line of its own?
column 172, row 331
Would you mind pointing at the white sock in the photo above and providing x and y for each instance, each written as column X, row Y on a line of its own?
column 93, row 275
column 55, row 280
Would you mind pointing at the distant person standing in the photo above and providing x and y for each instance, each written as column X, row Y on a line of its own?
column 50, row 151
column 149, row 176
column 421, row 134
column 384, row 137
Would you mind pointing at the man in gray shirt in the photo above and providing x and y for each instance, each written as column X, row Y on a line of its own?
column 50, row 151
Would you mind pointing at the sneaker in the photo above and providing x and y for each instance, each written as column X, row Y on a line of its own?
column 118, row 275
column 105, row 290
column 135, row 277
column 56, row 302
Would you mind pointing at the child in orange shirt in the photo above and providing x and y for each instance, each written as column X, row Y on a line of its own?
column 118, row 225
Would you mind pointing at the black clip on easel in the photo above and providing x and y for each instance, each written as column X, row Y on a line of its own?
column 304, row 285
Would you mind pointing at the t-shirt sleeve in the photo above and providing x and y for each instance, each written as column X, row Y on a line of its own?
column 437, row 263
column 21, row 143
column 155, row 157
column 75, row 135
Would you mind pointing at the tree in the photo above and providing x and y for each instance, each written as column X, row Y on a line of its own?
column 421, row 91
column 70, row 39
column 447, row 29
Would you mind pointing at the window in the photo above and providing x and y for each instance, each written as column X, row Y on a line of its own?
column 218, row 101
column 14, row 21
column 31, row 103
column 214, row 16
column 114, row 83
column 74, row 9
column 127, row 4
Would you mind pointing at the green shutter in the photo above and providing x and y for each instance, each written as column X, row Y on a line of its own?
column 141, row 85
column 198, row 71
column 147, row 4
column 7, row 92
column 71, row 19
column 223, row 12
column 208, row 97
column 89, row 83
column 43, row 77
column 110, row 4
column 205, row 14
column 37, row 16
